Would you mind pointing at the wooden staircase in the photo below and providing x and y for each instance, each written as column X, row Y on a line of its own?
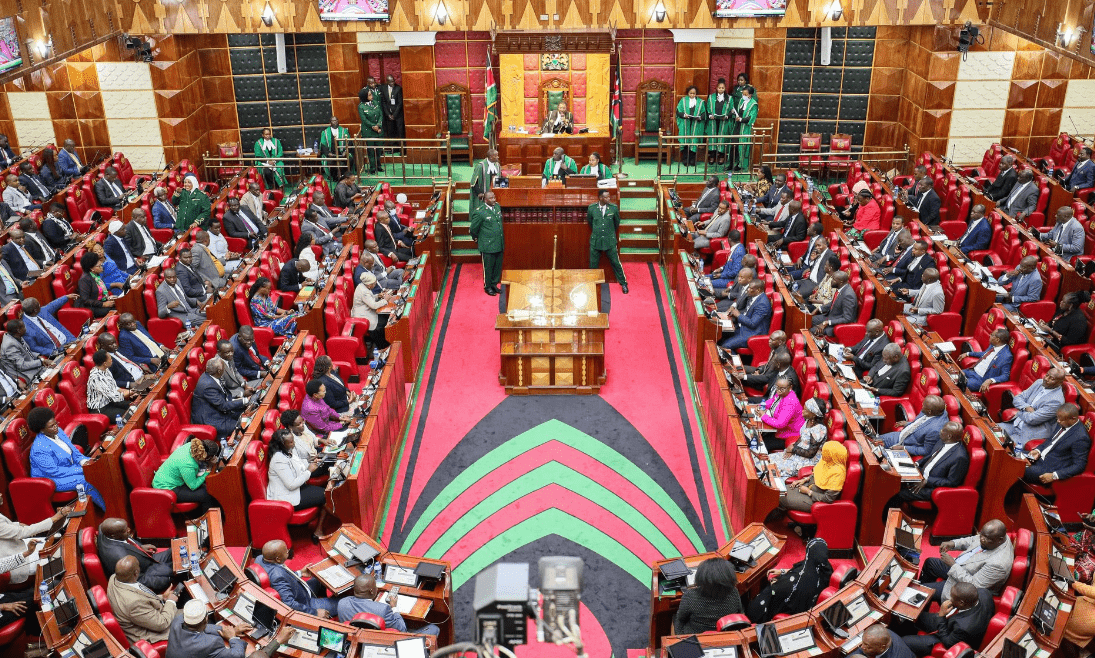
column 638, row 223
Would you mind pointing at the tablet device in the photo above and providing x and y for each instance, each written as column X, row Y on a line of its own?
column 223, row 580
column 836, row 616
column 1060, row 569
column 742, row 553
column 332, row 639
column 411, row 648
column 675, row 570
column 364, row 553
column 67, row 616
column 1012, row 650
column 1044, row 617
column 264, row 619
column 689, row 647
column 429, row 571
column 96, row 649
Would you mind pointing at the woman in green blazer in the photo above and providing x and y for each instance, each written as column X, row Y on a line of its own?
column 371, row 128
column 691, row 125
column 192, row 204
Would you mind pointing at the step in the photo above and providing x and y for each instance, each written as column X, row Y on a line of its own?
column 643, row 203
column 467, row 253
column 639, row 236
column 639, row 251
column 636, row 221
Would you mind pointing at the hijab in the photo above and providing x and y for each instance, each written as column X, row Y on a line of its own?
column 829, row 473
column 860, row 185
column 796, row 590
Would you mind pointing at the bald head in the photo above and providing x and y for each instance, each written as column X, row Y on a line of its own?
column 275, row 551
column 214, row 368
column 127, row 569
column 963, row 595
column 876, row 641
column 365, row 587
column 875, row 327
column 934, row 405
column 114, row 528
column 891, row 354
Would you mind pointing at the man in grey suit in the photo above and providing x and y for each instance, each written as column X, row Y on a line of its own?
column 868, row 351
column 321, row 235
column 844, row 308
column 142, row 613
column 1067, row 235
column 205, row 263
column 1036, row 409
column 16, row 357
column 11, row 289
column 890, row 376
column 1023, row 197
column 985, row 562
column 324, row 214
column 920, row 435
column 929, row 300
column 173, row 302
column 1025, row 282
column 191, row 636
column 716, row 227
column 708, row 201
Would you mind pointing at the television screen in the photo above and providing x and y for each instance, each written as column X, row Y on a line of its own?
column 353, row 10
column 747, row 8
column 10, row 56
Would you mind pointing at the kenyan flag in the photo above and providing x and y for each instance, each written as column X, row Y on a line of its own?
column 492, row 104
column 615, row 103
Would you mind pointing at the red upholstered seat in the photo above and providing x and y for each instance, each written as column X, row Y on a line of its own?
column 168, row 431
column 269, row 519
column 89, row 557
column 1022, row 540
column 32, row 498
column 956, row 507
column 368, row 620
column 836, row 521
column 152, row 508
column 69, row 416
column 732, row 622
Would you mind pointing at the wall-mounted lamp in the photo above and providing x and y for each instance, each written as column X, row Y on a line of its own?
column 268, row 15
column 834, row 11
column 41, row 48
column 1068, row 36
column 659, row 12
column 441, row 14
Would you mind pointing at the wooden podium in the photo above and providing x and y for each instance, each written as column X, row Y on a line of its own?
column 552, row 336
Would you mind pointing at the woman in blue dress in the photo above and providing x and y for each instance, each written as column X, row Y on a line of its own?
column 265, row 313
column 113, row 276
column 53, row 456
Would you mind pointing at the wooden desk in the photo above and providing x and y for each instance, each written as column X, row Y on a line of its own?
column 532, row 220
column 664, row 605
column 531, row 151
column 795, row 317
column 439, row 599
column 552, row 335
column 411, row 326
column 312, row 319
column 696, row 328
column 902, row 574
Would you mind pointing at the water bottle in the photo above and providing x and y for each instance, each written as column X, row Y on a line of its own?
column 43, row 594
column 81, row 493
column 184, row 559
column 188, row 325
column 376, row 572
column 118, row 421
column 753, row 445
column 195, row 569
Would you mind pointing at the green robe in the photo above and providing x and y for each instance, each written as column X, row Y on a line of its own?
column 481, row 183
column 737, row 94
column 327, row 145
column 748, row 114
column 691, row 130
column 192, row 206
column 486, row 228
column 718, row 122
column 371, row 116
column 603, row 172
column 274, row 153
column 549, row 166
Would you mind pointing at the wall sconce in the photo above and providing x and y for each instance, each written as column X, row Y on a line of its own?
column 441, row 14
column 659, row 12
column 1067, row 36
column 834, row 11
column 268, row 15
column 41, row 48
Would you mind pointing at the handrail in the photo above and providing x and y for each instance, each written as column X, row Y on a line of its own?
column 862, row 155
column 667, row 144
column 410, row 152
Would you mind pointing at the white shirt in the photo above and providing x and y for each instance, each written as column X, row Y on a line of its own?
column 61, row 444
column 218, row 245
column 884, row 369
column 149, row 241
column 133, row 369
column 983, row 365
column 1015, row 193
column 1049, row 445
column 938, row 458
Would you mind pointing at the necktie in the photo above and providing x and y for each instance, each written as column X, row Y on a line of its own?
column 911, row 427
column 779, row 213
column 153, row 348
column 9, row 281
column 1014, row 193
column 44, row 326
column 961, row 559
column 250, row 225
column 968, row 231
column 117, row 190
column 145, row 589
column 27, row 260
column 132, row 368
column 182, row 297
column 868, row 346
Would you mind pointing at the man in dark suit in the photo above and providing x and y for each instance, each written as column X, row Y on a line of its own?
column 38, row 190
column 728, row 297
column 339, row 396
column 771, row 197
column 911, row 273
column 758, row 376
column 299, row 594
column 240, row 222
column 68, row 162
column 880, row 642
column 1005, row 180
column 45, row 334
column 292, row 276
column 791, row 229
column 117, row 248
column 250, row 363
column 1022, row 200
column 139, row 346
column 391, row 103
column 115, row 541
column 19, row 260
column 125, row 371
column 926, row 202
column 707, row 202
column 36, row 244
column 1064, row 454
column 891, row 375
column 7, row 155
column 888, row 247
column 844, row 309
column 109, row 192
column 946, row 466
column 782, row 370
column 752, row 318
column 58, row 230
column 192, row 283
column 964, row 617
column 867, row 352
column 1082, row 175
column 978, row 233
column 806, row 280
column 212, row 405
column 137, row 236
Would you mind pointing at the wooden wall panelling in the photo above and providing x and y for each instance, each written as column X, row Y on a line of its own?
column 418, row 91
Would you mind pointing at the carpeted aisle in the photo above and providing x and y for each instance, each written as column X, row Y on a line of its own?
column 620, row 479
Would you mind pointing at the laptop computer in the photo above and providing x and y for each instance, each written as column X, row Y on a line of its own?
column 905, row 543
column 263, row 620
column 689, row 647
column 835, row 617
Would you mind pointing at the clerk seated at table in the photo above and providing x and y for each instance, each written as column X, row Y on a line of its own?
column 363, row 599
column 1064, row 454
column 142, row 613
column 890, row 376
column 993, row 365
column 559, row 166
column 558, row 121
column 1023, row 284
column 880, row 642
column 115, row 541
column 1036, row 409
column 920, row 435
column 963, row 617
column 985, row 562
column 302, row 595
column 752, row 316
column 844, row 309
column 946, row 466
column 867, row 352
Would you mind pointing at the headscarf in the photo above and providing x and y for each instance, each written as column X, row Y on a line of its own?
column 829, row 473
column 812, row 406
column 113, row 226
column 197, row 183
column 860, row 186
column 796, row 590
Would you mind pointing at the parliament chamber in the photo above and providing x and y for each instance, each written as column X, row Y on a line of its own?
column 404, row 328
